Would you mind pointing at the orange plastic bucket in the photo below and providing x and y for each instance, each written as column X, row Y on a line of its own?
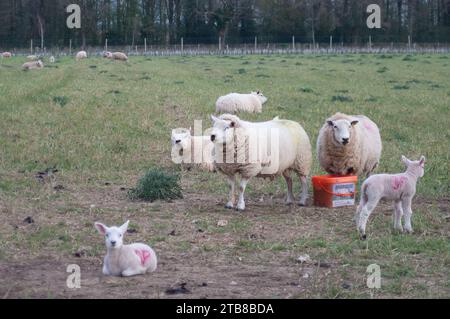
column 334, row 190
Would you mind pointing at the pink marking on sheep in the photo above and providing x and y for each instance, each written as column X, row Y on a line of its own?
column 398, row 181
column 144, row 255
column 368, row 126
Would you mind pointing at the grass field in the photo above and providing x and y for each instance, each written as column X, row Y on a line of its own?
column 93, row 128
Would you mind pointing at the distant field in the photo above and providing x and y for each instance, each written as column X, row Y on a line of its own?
column 102, row 124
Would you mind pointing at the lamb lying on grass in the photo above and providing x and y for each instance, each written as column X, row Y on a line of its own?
column 33, row 65
column 125, row 260
column 237, row 102
column 399, row 188
column 119, row 56
column 192, row 150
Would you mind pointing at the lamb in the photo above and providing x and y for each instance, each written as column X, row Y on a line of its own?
column 52, row 59
column 32, row 57
column 81, row 55
column 107, row 55
column 119, row 56
column 33, row 65
column 235, row 102
column 241, row 148
column 349, row 145
column 187, row 149
column 6, row 54
column 399, row 188
column 125, row 260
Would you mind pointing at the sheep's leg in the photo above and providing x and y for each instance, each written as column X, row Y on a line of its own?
column 304, row 193
column 366, row 210
column 398, row 216
column 290, row 195
column 241, row 202
column 131, row 272
column 231, row 198
column 406, row 203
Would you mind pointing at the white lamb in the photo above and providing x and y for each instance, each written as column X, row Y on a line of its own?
column 32, row 57
column 349, row 145
column 119, row 56
column 399, row 188
column 33, row 65
column 188, row 149
column 243, row 148
column 125, row 260
column 81, row 55
column 236, row 102
column 52, row 59
column 6, row 54
column 107, row 54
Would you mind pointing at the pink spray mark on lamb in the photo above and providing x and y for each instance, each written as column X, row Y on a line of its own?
column 143, row 254
column 398, row 182
column 368, row 126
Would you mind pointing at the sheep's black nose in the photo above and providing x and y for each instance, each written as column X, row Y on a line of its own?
column 177, row 141
column 113, row 243
column 345, row 141
column 213, row 137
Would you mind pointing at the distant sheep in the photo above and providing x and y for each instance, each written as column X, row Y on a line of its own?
column 6, row 54
column 125, row 260
column 237, row 102
column 241, row 148
column 52, row 59
column 192, row 150
column 119, row 56
column 399, row 188
column 107, row 54
column 33, row 65
column 32, row 57
column 349, row 145
column 81, row 55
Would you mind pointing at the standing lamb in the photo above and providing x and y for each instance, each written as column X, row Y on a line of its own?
column 33, row 65
column 119, row 56
column 6, row 54
column 349, row 145
column 188, row 149
column 241, row 148
column 399, row 188
column 236, row 102
column 81, row 55
column 125, row 260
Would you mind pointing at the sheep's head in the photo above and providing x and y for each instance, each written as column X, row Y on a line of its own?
column 261, row 96
column 40, row 64
column 181, row 138
column 417, row 167
column 113, row 235
column 223, row 128
column 107, row 54
column 342, row 130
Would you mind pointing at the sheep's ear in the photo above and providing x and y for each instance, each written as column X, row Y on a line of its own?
column 405, row 160
column 330, row 123
column 214, row 119
column 124, row 227
column 257, row 92
column 422, row 160
column 102, row 229
column 353, row 123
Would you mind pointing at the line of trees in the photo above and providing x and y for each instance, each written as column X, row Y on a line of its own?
column 203, row 21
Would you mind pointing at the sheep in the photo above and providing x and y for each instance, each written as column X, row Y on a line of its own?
column 52, row 59
column 33, row 65
column 125, row 260
column 81, row 55
column 32, row 57
column 6, row 54
column 241, row 148
column 235, row 102
column 119, row 56
column 107, row 54
column 349, row 145
column 187, row 149
column 399, row 188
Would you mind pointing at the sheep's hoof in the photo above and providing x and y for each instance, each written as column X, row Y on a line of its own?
column 408, row 231
column 229, row 206
column 302, row 203
column 363, row 237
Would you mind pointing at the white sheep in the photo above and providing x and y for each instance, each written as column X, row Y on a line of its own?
column 349, row 145
column 236, row 102
column 33, row 65
column 188, row 149
column 125, row 260
column 52, row 59
column 81, row 55
column 107, row 54
column 399, row 188
column 243, row 148
column 32, row 57
column 6, row 54
column 119, row 56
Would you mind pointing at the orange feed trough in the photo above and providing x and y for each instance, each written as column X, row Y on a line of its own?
column 334, row 190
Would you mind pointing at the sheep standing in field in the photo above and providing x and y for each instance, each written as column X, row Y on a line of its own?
column 107, row 54
column 192, row 150
column 349, row 145
column 399, row 188
column 119, row 56
column 237, row 102
column 243, row 148
column 6, row 54
column 125, row 260
column 81, row 55
column 33, row 65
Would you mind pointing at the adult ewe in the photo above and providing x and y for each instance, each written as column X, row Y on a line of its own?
column 33, row 65
column 237, row 102
column 243, row 148
column 81, row 55
column 192, row 150
column 349, row 145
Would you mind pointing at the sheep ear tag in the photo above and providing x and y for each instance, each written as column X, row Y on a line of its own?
column 143, row 255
